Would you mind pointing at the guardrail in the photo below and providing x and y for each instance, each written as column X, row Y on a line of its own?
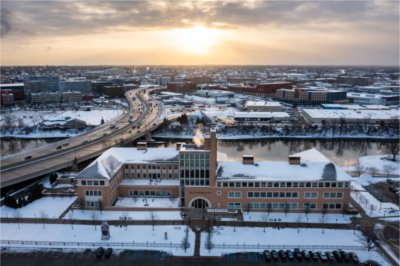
column 283, row 247
column 11, row 243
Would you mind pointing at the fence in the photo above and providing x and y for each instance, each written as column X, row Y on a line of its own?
column 11, row 243
column 283, row 247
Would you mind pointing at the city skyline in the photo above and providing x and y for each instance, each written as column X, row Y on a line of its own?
column 199, row 32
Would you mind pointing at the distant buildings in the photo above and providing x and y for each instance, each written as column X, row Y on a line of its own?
column 55, row 97
column 261, row 116
column 76, row 84
column 17, row 89
column 262, row 89
column 369, row 98
column 37, row 84
column 181, row 87
column 6, row 97
column 310, row 96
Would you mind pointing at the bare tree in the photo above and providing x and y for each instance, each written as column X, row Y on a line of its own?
column 17, row 216
column 209, row 243
column 8, row 122
column 358, row 168
column 388, row 169
column 392, row 149
column 71, row 218
column 298, row 220
column 153, row 218
column 43, row 217
column 368, row 237
column 100, row 205
column 372, row 170
column 185, row 241
column 125, row 218
column 94, row 216
column 287, row 206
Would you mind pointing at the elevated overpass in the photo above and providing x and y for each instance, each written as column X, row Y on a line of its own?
column 138, row 121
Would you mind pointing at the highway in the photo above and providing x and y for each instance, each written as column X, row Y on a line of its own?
column 135, row 123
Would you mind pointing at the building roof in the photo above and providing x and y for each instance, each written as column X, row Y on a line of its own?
column 263, row 103
column 261, row 114
column 314, row 166
column 105, row 166
column 352, row 114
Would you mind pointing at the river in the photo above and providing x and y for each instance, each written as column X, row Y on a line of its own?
column 342, row 152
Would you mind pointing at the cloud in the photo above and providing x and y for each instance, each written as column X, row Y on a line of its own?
column 5, row 26
column 85, row 17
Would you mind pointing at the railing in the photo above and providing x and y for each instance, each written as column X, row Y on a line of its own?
column 283, row 247
column 10, row 243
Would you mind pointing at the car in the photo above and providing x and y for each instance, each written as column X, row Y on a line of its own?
column 65, row 144
column 322, row 256
column 275, row 255
column 58, row 147
column 282, row 255
column 107, row 253
column 390, row 181
column 305, row 255
column 290, row 255
column 371, row 263
column 330, row 256
column 337, row 255
column 267, row 255
column 354, row 257
column 28, row 157
column 345, row 256
column 313, row 255
column 99, row 253
column 85, row 141
column 297, row 254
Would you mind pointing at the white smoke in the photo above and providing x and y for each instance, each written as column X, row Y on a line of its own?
column 198, row 138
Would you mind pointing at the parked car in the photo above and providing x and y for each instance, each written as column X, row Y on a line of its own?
column 282, row 255
column 275, row 255
column 305, row 255
column 322, row 256
column 290, row 255
column 337, row 255
column 390, row 181
column 345, row 256
column 297, row 254
column 330, row 256
column 59, row 147
column 107, row 253
column 66, row 144
column 354, row 257
column 371, row 263
column 99, row 253
column 28, row 157
column 313, row 255
column 267, row 255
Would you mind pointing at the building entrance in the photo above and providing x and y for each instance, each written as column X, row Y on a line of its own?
column 200, row 204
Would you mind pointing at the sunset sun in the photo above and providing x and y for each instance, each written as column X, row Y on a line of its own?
column 197, row 40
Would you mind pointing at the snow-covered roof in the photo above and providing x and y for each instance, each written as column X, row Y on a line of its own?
column 261, row 114
column 276, row 171
column 352, row 114
column 111, row 160
column 149, row 182
column 314, row 166
column 311, row 155
column 262, row 103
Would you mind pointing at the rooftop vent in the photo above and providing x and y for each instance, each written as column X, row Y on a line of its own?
column 329, row 172
column 141, row 146
column 296, row 160
column 248, row 159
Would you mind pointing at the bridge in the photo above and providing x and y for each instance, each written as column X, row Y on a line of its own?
column 140, row 119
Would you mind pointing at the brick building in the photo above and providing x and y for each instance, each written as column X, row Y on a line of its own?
column 307, row 182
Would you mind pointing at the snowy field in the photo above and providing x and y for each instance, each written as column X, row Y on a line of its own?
column 120, row 215
column 48, row 207
column 148, row 202
column 319, row 239
column 296, row 217
column 134, row 237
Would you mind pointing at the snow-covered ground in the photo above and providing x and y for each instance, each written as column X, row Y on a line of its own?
column 296, row 217
column 371, row 205
column 380, row 162
column 131, row 237
column 121, row 215
column 148, row 202
column 46, row 207
column 258, row 239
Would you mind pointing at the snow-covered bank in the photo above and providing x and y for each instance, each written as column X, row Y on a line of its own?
column 296, row 217
column 79, row 236
column 380, row 162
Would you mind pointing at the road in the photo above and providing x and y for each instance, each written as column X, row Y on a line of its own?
column 55, row 156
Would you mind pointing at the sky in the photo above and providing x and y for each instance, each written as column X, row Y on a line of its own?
column 175, row 32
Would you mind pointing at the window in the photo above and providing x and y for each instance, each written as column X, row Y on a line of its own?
column 83, row 182
column 310, row 195
column 233, row 205
column 234, row 194
column 310, row 206
column 101, row 183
